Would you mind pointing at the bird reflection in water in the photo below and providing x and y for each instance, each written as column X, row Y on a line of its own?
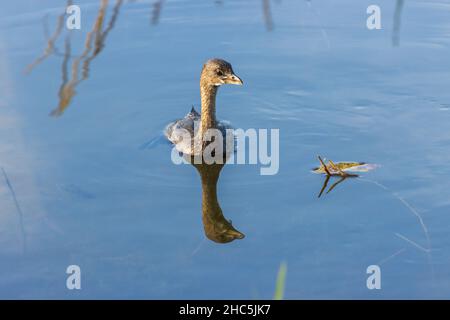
column 217, row 227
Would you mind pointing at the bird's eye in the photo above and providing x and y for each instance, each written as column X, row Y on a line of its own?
column 219, row 72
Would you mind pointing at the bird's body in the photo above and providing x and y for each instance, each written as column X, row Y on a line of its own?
column 188, row 134
column 190, row 123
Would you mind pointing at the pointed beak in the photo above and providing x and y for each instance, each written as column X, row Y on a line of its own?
column 235, row 234
column 233, row 79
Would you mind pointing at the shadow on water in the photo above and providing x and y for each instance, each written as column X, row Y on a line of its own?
column 94, row 44
column 217, row 227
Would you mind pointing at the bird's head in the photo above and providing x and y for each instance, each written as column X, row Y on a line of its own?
column 217, row 72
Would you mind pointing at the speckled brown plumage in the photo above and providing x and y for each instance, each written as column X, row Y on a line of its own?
column 215, row 72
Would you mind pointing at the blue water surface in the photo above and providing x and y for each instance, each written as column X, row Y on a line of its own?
column 77, row 187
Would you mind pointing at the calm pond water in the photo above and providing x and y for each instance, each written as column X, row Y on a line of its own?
column 78, row 187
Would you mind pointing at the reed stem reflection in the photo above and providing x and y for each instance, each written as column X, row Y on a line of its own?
column 93, row 45
column 267, row 15
column 397, row 23
column 156, row 11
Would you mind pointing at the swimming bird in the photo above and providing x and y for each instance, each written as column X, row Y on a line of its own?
column 187, row 134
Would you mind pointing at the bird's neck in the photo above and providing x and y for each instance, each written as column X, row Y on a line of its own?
column 208, row 94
